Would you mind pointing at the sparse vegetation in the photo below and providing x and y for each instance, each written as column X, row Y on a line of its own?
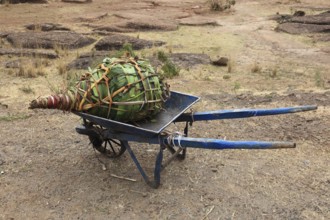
column 220, row 5
column 256, row 68
column 6, row 2
column 162, row 57
column 70, row 79
column 27, row 90
column 40, row 62
column 37, row 28
column 236, row 87
column 207, row 78
column 127, row 50
column 54, row 88
column 273, row 72
column 61, row 68
column 319, row 80
column 61, row 50
column 13, row 117
column 168, row 69
column 30, row 71
column 230, row 66
column 11, row 72
column 226, row 77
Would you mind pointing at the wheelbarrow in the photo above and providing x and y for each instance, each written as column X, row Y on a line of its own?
column 111, row 137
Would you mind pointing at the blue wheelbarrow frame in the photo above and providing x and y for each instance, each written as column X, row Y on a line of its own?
column 105, row 133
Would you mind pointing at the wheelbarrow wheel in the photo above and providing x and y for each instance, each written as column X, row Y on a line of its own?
column 111, row 148
column 108, row 147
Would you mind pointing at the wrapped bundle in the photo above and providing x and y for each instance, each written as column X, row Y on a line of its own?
column 121, row 89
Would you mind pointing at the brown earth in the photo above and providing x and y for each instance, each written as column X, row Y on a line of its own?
column 48, row 171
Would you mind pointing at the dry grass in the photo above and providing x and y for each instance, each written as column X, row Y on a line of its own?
column 236, row 87
column 6, row 3
column 37, row 28
column 274, row 72
column 319, row 80
column 39, row 62
column 230, row 65
column 29, row 71
column 61, row 50
column 13, row 117
column 61, row 67
column 220, row 5
column 27, row 90
column 226, row 77
column 256, row 68
column 11, row 72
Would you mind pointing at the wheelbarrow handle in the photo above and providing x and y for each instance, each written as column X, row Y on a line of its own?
column 206, row 143
column 240, row 113
column 187, row 142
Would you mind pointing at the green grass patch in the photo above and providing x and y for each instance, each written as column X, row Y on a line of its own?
column 168, row 69
column 14, row 117
column 27, row 90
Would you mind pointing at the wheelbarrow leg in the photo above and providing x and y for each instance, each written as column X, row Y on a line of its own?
column 158, row 166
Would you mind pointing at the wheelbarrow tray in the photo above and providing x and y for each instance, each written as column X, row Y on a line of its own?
column 174, row 107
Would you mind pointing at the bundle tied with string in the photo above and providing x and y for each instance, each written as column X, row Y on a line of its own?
column 121, row 89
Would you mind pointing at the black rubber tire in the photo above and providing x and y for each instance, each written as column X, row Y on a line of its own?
column 108, row 147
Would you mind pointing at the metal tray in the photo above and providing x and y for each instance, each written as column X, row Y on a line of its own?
column 174, row 107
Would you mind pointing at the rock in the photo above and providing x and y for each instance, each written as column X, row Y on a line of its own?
column 280, row 18
column 321, row 19
column 198, row 21
column 222, row 61
column 104, row 30
column 214, row 169
column 323, row 37
column 88, row 60
column 184, row 60
column 133, row 22
column 50, row 54
column 13, row 64
column 300, row 24
column 116, row 42
column 326, row 49
column 3, row 34
column 81, row 63
column 140, row 24
column 94, row 17
column 300, row 28
column 25, row 1
column 3, row 106
column 78, row 1
column 149, row 25
column 47, row 27
column 299, row 13
column 187, row 60
column 48, row 40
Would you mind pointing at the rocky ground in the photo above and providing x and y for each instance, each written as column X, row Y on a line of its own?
column 277, row 55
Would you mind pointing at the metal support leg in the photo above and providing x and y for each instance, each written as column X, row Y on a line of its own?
column 158, row 166
column 182, row 156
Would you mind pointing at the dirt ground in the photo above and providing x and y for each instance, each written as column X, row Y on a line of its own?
column 48, row 171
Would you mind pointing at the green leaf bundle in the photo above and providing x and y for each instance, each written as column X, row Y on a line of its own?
column 121, row 89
